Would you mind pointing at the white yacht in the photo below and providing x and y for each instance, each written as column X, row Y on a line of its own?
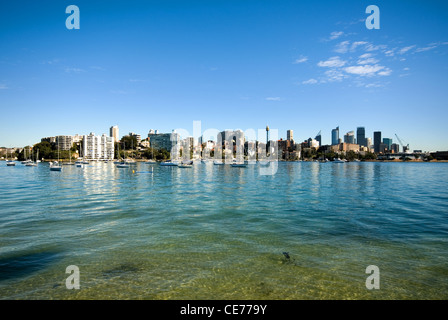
column 55, row 166
column 169, row 163
column 123, row 165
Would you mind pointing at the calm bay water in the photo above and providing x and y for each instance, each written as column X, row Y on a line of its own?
column 217, row 232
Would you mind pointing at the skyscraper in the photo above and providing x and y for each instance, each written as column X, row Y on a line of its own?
column 350, row 137
column 335, row 136
column 361, row 136
column 376, row 141
column 289, row 135
column 319, row 138
column 388, row 143
column 114, row 133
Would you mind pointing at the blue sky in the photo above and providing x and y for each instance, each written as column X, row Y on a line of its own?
column 306, row 66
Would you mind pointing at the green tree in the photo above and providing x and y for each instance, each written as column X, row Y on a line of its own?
column 351, row 155
column 129, row 143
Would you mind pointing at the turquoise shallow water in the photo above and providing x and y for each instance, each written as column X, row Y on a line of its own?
column 217, row 232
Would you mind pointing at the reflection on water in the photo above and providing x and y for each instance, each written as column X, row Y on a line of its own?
column 218, row 232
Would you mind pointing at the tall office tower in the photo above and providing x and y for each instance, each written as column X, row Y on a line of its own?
column 319, row 138
column 350, row 137
column 335, row 136
column 376, row 141
column 289, row 135
column 395, row 148
column 114, row 133
column 369, row 142
column 361, row 136
column 388, row 143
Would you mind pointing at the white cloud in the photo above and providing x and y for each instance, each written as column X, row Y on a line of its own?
column 385, row 72
column 372, row 47
column 3, row 86
column 336, row 34
column 310, row 81
column 368, row 70
column 368, row 61
column 406, row 49
column 357, row 44
column 334, row 75
column 301, row 59
column 74, row 70
column 390, row 53
column 333, row 62
column 374, row 85
column 273, row 99
column 342, row 47
column 426, row 48
column 406, row 69
column 366, row 55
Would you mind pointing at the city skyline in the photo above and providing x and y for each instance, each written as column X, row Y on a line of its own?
column 294, row 66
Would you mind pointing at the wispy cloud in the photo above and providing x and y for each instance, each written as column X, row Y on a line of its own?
column 334, row 75
column 429, row 47
column 74, row 70
column 372, row 47
column 98, row 68
column 342, row 47
column 273, row 99
column 310, row 81
column 301, row 59
column 122, row 92
column 368, row 60
column 51, row 62
column 3, row 86
column 333, row 62
column 368, row 70
column 137, row 80
column 336, row 34
column 406, row 49
column 357, row 44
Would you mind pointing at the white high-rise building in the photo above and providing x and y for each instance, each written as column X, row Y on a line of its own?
column 114, row 133
column 290, row 135
column 98, row 147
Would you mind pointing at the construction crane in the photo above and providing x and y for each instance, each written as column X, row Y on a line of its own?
column 405, row 147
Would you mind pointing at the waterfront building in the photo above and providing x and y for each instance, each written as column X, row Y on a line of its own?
column 383, row 148
column 350, row 137
column 345, row 147
column 64, row 142
column 136, row 136
column 98, row 147
column 369, row 143
column 395, row 148
column 335, row 136
column 114, row 133
column 167, row 141
column 319, row 138
column 361, row 136
column 376, row 141
column 388, row 142
column 290, row 136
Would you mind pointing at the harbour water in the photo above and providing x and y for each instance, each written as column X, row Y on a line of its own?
column 217, row 232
